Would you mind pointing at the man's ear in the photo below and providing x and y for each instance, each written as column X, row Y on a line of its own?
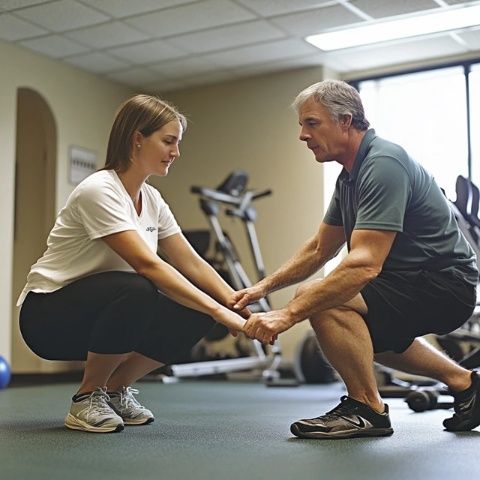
column 346, row 120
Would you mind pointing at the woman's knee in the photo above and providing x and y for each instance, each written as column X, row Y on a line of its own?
column 138, row 288
column 142, row 284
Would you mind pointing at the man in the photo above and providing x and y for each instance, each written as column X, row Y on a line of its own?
column 408, row 271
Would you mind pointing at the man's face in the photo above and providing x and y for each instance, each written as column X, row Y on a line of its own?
column 324, row 136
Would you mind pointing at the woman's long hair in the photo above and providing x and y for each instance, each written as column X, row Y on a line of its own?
column 142, row 113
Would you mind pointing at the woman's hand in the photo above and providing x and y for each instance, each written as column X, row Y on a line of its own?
column 233, row 321
column 244, row 313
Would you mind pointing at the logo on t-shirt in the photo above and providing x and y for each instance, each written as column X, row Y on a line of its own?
column 151, row 229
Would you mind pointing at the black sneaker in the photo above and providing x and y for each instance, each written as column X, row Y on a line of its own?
column 466, row 405
column 349, row 419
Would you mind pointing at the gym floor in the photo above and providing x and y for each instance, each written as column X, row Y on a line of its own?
column 223, row 430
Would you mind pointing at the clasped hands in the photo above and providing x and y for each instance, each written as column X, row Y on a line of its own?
column 263, row 326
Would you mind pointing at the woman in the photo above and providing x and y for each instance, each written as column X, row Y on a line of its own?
column 100, row 293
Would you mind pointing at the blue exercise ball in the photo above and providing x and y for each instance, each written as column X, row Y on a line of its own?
column 4, row 373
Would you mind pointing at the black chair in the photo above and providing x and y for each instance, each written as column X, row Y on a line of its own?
column 475, row 204
column 467, row 203
column 464, row 194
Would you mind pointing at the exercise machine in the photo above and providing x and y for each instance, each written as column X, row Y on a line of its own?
column 465, row 208
column 234, row 199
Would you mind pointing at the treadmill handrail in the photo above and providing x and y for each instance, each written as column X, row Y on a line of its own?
column 217, row 196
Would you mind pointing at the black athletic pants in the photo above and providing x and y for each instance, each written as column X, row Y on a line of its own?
column 110, row 313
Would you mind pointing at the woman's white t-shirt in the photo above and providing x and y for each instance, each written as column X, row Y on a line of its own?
column 98, row 206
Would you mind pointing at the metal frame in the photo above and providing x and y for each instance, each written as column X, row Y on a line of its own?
column 239, row 206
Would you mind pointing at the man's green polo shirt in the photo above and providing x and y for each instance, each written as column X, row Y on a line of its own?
column 387, row 190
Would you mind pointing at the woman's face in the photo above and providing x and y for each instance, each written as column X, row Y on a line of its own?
column 154, row 154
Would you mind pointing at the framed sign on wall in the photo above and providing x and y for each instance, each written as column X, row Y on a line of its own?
column 82, row 163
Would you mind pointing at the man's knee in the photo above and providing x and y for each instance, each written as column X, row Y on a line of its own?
column 345, row 314
column 356, row 307
column 327, row 316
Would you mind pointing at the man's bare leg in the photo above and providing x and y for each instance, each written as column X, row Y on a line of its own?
column 346, row 343
column 421, row 358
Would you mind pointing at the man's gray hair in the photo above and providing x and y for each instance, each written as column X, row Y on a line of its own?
column 339, row 98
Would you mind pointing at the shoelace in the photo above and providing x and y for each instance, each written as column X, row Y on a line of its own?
column 127, row 398
column 345, row 408
column 99, row 401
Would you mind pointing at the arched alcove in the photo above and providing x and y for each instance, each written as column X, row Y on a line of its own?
column 35, row 172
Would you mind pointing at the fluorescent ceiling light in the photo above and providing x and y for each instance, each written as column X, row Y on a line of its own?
column 412, row 26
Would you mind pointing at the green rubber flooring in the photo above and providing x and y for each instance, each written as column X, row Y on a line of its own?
column 223, row 430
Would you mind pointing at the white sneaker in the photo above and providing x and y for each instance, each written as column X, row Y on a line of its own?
column 93, row 414
column 128, row 407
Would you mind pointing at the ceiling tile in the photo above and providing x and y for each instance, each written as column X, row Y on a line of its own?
column 205, row 41
column 125, row 8
column 54, row 46
column 14, row 4
column 261, row 53
column 268, row 8
column 160, row 86
column 12, row 28
column 147, row 52
column 62, row 15
column 283, row 65
column 380, row 8
column 404, row 51
column 315, row 21
column 97, row 62
column 227, row 37
column 107, row 35
column 186, row 67
column 207, row 79
column 163, row 87
column 134, row 76
column 190, row 18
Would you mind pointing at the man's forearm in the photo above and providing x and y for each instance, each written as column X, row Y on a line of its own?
column 304, row 263
column 340, row 286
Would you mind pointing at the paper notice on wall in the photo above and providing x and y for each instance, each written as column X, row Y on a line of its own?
column 83, row 162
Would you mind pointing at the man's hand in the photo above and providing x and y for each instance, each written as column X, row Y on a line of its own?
column 247, row 296
column 265, row 327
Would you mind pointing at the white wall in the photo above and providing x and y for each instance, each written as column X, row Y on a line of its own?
column 249, row 125
column 83, row 106
column 244, row 124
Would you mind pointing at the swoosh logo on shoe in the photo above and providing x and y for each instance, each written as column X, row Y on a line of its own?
column 466, row 405
column 359, row 423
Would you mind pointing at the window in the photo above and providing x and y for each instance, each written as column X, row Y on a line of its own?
column 474, row 81
column 425, row 113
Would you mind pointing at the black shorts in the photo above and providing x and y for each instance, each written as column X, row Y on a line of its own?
column 406, row 305
column 110, row 313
